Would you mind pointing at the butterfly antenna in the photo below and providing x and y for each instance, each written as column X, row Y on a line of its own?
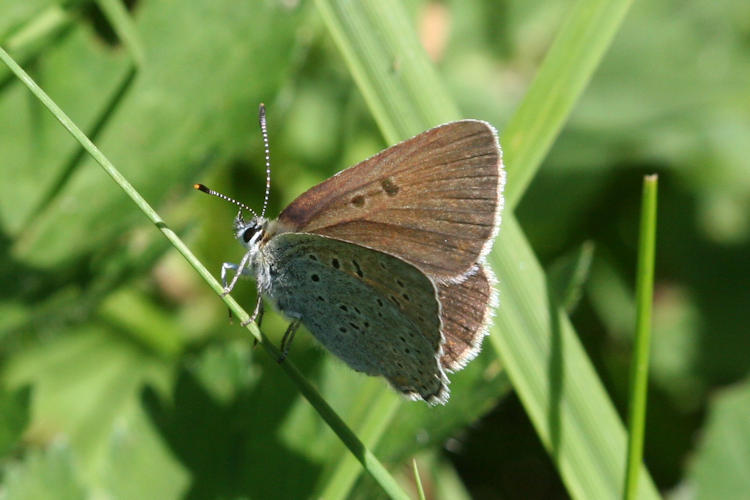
column 264, row 131
column 201, row 187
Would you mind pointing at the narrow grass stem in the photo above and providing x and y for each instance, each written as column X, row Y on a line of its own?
column 368, row 460
column 417, row 479
column 639, row 367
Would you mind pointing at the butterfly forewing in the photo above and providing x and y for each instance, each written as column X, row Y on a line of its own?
column 433, row 200
column 376, row 312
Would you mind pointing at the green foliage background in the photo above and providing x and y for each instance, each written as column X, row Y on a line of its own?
column 120, row 374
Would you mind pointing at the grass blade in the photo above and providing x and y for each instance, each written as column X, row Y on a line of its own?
column 122, row 24
column 572, row 413
column 366, row 458
column 639, row 368
column 380, row 413
column 417, row 479
column 400, row 86
column 567, row 68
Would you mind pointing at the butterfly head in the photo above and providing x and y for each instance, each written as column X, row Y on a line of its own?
column 250, row 233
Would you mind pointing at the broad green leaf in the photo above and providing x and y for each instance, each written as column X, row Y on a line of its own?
column 86, row 383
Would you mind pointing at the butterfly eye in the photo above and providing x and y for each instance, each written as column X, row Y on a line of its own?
column 249, row 233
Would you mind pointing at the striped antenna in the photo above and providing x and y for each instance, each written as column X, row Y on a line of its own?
column 264, row 131
column 201, row 187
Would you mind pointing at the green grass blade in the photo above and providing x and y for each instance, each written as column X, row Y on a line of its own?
column 399, row 84
column 380, row 413
column 568, row 274
column 566, row 401
column 110, row 169
column 366, row 458
column 122, row 24
column 72, row 164
column 30, row 38
column 567, row 68
column 386, row 61
column 417, row 479
column 554, row 379
column 50, row 20
column 639, row 368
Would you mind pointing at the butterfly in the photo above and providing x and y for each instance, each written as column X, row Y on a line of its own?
column 384, row 261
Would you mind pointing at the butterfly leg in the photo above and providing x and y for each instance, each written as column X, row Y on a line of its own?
column 261, row 310
column 257, row 312
column 227, row 266
column 286, row 340
column 259, row 306
column 239, row 270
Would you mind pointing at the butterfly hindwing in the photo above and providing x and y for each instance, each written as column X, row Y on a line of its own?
column 376, row 312
column 466, row 308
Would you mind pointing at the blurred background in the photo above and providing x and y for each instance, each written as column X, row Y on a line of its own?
column 120, row 374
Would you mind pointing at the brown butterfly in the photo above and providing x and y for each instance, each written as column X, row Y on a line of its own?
column 384, row 261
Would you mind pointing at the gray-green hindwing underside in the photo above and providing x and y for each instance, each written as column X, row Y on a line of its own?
column 376, row 312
